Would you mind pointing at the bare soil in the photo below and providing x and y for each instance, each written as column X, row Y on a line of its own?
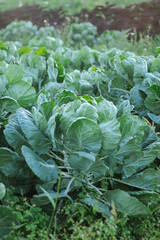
column 143, row 17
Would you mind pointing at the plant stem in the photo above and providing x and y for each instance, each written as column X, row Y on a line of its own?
column 56, row 200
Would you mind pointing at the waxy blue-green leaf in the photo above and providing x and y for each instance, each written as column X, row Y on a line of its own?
column 128, row 65
column 140, row 69
column 22, row 92
column 84, row 134
column 117, row 64
column 154, row 118
column 124, row 108
column 40, row 120
column 52, row 70
column 7, row 218
column 42, row 169
column 85, row 87
column 106, row 110
column 137, row 98
column 88, row 111
column 42, row 199
column 8, row 104
column 14, row 73
column 35, row 137
column 81, row 161
column 3, row 83
column 2, row 190
column 46, row 108
column 133, row 126
column 152, row 79
column 149, row 198
column 149, row 137
column 69, row 114
column 147, row 180
column 135, row 163
column 65, row 97
column 125, row 203
column 98, row 169
column 18, row 185
column 128, row 146
column 12, row 165
column 98, row 206
column 14, row 135
column 152, row 101
column 111, row 135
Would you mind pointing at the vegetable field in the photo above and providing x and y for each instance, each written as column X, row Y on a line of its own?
column 79, row 123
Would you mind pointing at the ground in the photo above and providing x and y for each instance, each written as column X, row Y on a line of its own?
column 144, row 17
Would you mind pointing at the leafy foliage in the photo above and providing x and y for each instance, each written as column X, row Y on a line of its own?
column 76, row 116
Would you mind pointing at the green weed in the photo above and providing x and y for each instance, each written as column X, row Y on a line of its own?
column 78, row 222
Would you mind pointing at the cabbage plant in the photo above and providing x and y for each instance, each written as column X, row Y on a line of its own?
column 88, row 141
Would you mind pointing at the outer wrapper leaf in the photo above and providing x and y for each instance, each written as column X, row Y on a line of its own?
column 125, row 203
column 43, row 170
column 36, row 139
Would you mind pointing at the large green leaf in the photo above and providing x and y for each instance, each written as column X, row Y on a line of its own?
column 42, row 199
column 133, row 126
column 111, row 135
column 98, row 169
column 154, row 118
column 2, row 190
column 98, row 206
column 12, row 165
column 36, row 139
column 14, row 135
column 19, row 185
column 44, row 170
column 7, row 218
column 46, row 108
column 137, row 97
column 106, row 110
column 124, row 108
column 8, row 104
column 69, row 114
column 149, row 198
column 3, row 83
column 149, row 154
column 84, row 134
column 152, row 79
column 140, row 68
column 125, row 203
column 22, row 92
column 81, row 161
column 136, row 162
column 40, row 120
column 14, row 73
column 152, row 100
column 147, row 180
column 65, row 97
column 128, row 65
column 88, row 111
column 117, row 63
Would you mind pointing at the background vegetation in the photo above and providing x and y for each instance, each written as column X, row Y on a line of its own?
column 82, row 222
column 72, row 6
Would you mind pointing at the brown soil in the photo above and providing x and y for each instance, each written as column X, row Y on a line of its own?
column 142, row 17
